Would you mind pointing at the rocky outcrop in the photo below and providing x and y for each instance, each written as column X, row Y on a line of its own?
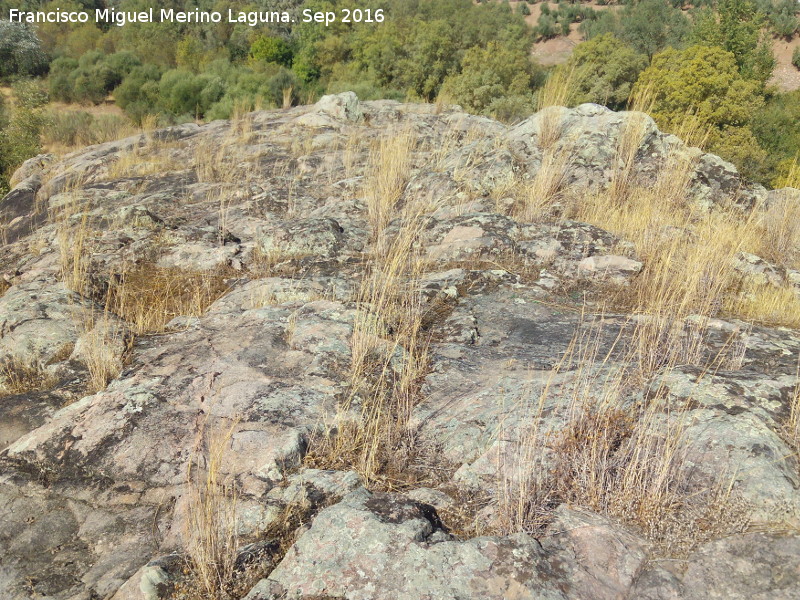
column 260, row 232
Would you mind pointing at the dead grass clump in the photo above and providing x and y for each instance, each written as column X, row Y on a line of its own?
column 71, row 129
column 792, row 428
column 552, row 98
column 548, row 186
column 105, row 344
column 612, row 453
column 779, row 232
column 389, row 348
column 20, row 377
column 764, row 303
column 388, row 172
column 148, row 297
column 211, row 522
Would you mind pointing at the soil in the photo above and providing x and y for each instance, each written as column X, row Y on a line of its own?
column 786, row 77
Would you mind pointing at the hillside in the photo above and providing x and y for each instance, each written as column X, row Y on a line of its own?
column 383, row 350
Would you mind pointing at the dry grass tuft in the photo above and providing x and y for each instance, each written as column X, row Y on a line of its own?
column 767, row 304
column 792, row 429
column 389, row 359
column 779, row 231
column 148, row 297
column 689, row 252
column 18, row 377
column 554, row 96
column 388, row 172
column 614, row 457
column 548, row 185
column 105, row 344
column 370, row 430
column 211, row 527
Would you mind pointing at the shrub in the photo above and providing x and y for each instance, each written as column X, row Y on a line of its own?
column 737, row 28
column 796, row 57
column 20, row 51
column 92, row 77
column 490, row 75
column 703, row 81
column 271, row 49
column 138, row 94
column 605, row 70
column 20, row 131
column 184, row 93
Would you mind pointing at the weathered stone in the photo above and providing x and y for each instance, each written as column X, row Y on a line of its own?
column 92, row 489
column 381, row 546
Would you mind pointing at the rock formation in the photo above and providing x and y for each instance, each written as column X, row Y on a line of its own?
column 183, row 310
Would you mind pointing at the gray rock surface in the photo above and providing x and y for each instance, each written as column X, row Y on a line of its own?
column 94, row 487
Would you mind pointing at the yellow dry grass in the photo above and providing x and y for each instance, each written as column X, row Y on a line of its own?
column 148, row 297
column 624, row 461
column 211, row 519
column 387, row 174
column 389, row 349
column 20, row 377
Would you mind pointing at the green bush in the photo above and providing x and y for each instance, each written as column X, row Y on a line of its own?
column 91, row 78
column 21, row 128
column 21, row 52
column 796, row 57
column 271, row 49
column 496, row 81
column 703, row 84
column 703, row 81
column 738, row 28
column 138, row 94
column 546, row 28
column 648, row 26
column 604, row 70
column 777, row 128
column 184, row 93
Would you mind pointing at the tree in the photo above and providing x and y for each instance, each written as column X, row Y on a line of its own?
column 271, row 49
column 604, row 69
column 652, row 25
column 704, row 85
column 702, row 81
column 737, row 28
column 138, row 94
column 20, row 51
column 495, row 81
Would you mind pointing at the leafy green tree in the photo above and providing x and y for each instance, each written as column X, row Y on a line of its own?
column 546, row 28
column 703, row 84
column 652, row 25
column 605, row 70
column 777, row 129
column 189, row 53
column 648, row 26
column 138, row 94
column 21, row 130
column 738, row 28
column 495, row 81
column 271, row 49
column 703, row 81
column 184, row 93
column 90, row 79
column 21, row 52
column 433, row 55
